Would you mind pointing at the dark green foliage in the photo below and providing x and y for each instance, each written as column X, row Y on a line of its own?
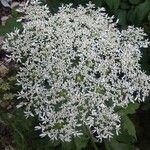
column 113, row 4
column 115, row 145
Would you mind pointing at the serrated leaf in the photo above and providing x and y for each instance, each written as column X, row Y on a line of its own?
column 128, row 126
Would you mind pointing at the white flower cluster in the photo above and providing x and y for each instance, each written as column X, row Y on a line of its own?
column 76, row 68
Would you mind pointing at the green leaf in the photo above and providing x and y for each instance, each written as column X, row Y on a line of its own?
column 134, row 2
column 97, row 3
column 130, row 15
column 146, row 106
column 113, row 4
column 149, row 16
column 131, row 109
column 68, row 145
column 115, row 145
column 124, row 5
column 128, row 126
column 81, row 142
column 141, row 11
column 10, row 24
column 122, row 16
column 124, row 137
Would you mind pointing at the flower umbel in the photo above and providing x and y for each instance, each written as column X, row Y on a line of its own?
column 76, row 68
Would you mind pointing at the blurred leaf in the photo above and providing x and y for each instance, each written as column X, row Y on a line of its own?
column 131, row 109
column 146, row 107
column 68, row 145
column 149, row 16
column 97, row 3
column 113, row 4
column 141, row 11
column 124, row 5
column 122, row 16
column 10, row 24
column 115, row 145
column 128, row 126
column 15, row 14
column 19, row 139
column 130, row 16
column 134, row 1
column 124, row 137
column 81, row 142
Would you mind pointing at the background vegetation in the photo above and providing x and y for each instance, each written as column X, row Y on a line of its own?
column 18, row 133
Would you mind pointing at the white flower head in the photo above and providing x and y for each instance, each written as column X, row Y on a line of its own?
column 76, row 67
